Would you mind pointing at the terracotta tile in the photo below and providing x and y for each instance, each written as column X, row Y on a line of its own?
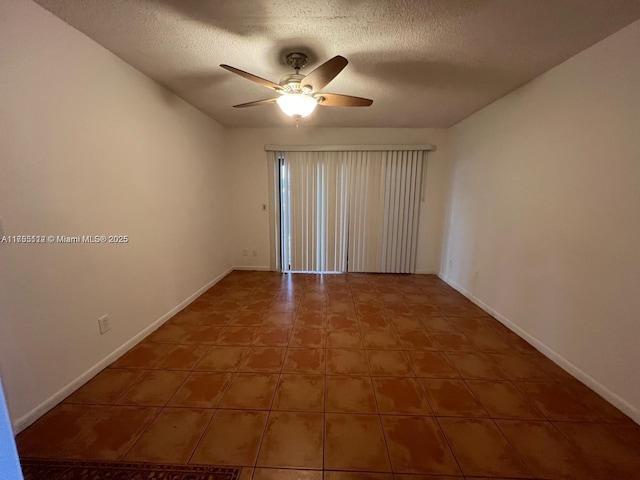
column 171, row 437
column 300, row 392
column 346, row 308
column 250, row 390
column 346, row 361
column 545, row 450
column 344, row 339
column 389, row 363
column 417, row 341
column 354, row 442
column 168, row 333
column 595, row 402
column 273, row 336
column 504, row 400
column 200, row 304
column 629, row 433
column 239, row 294
column 310, row 319
column 182, row 357
column 153, row 388
column 400, row 396
column 334, row 475
column 452, row 398
column 263, row 359
column 201, row 390
column 184, row 318
column 313, row 305
column 608, row 455
column 490, row 342
column 417, row 445
column 232, row 438
column 397, row 309
column 57, row 430
column 248, row 318
column 438, row 324
column 431, row 477
column 518, row 367
column 215, row 318
column 460, row 310
column 263, row 295
column 278, row 306
column 228, row 305
column 256, row 306
column 554, row 371
column 517, row 343
column 373, row 321
column 557, row 403
column 339, row 321
column 222, row 359
column 481, row 449
column 406, row 323
column 475, row 366
column 370, row 308
column 105, row 387
column 113, row 434
column 292, row 439
column 279, row 319
column 304, row 360
column 308, row 338
column 380, row 338
column 347, row 393
column 203, row 335
column 285, row 474
column 246, row 473
column 432, row 365
column 472, row 326
column 453, row 341
column 141, row 356
column 236, row 336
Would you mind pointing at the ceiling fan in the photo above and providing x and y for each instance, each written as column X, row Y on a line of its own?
column 301, row 94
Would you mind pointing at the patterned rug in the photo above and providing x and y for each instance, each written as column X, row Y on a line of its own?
column 43, row 469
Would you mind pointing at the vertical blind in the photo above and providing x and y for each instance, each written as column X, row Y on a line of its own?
column 347, row 211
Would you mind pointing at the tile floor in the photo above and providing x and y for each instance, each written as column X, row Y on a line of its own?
column 341, row 377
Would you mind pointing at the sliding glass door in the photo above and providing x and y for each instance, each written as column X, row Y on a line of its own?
column 347, row 211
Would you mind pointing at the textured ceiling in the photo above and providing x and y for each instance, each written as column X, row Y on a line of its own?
column 425, row 63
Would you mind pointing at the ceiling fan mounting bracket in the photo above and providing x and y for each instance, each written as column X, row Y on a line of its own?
column 297, row 60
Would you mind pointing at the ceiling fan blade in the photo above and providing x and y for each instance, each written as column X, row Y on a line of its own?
column 253, row 78
column 257, row 102
column 321, row 76
column 336, row 100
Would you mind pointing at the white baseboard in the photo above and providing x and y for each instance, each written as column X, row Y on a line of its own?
column 253, row 269
column 426, row 272
column 552, row 355
column 27, row 419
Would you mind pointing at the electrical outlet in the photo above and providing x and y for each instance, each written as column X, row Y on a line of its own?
column 104, row 324
column 244, row 252
column 264, row 207
column 254, row 253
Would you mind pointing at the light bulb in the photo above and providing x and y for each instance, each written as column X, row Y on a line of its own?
column 297, row 104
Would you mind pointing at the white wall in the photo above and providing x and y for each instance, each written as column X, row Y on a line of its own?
column 545, row 207
column 251, row 223
column 90, row 146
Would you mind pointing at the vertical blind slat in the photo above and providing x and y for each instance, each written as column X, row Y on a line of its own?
column 355, row 205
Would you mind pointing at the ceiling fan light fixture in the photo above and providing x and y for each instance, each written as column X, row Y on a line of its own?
column 297, row 105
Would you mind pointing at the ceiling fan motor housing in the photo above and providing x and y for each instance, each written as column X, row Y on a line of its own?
column 297, row 60
column 291, row 84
